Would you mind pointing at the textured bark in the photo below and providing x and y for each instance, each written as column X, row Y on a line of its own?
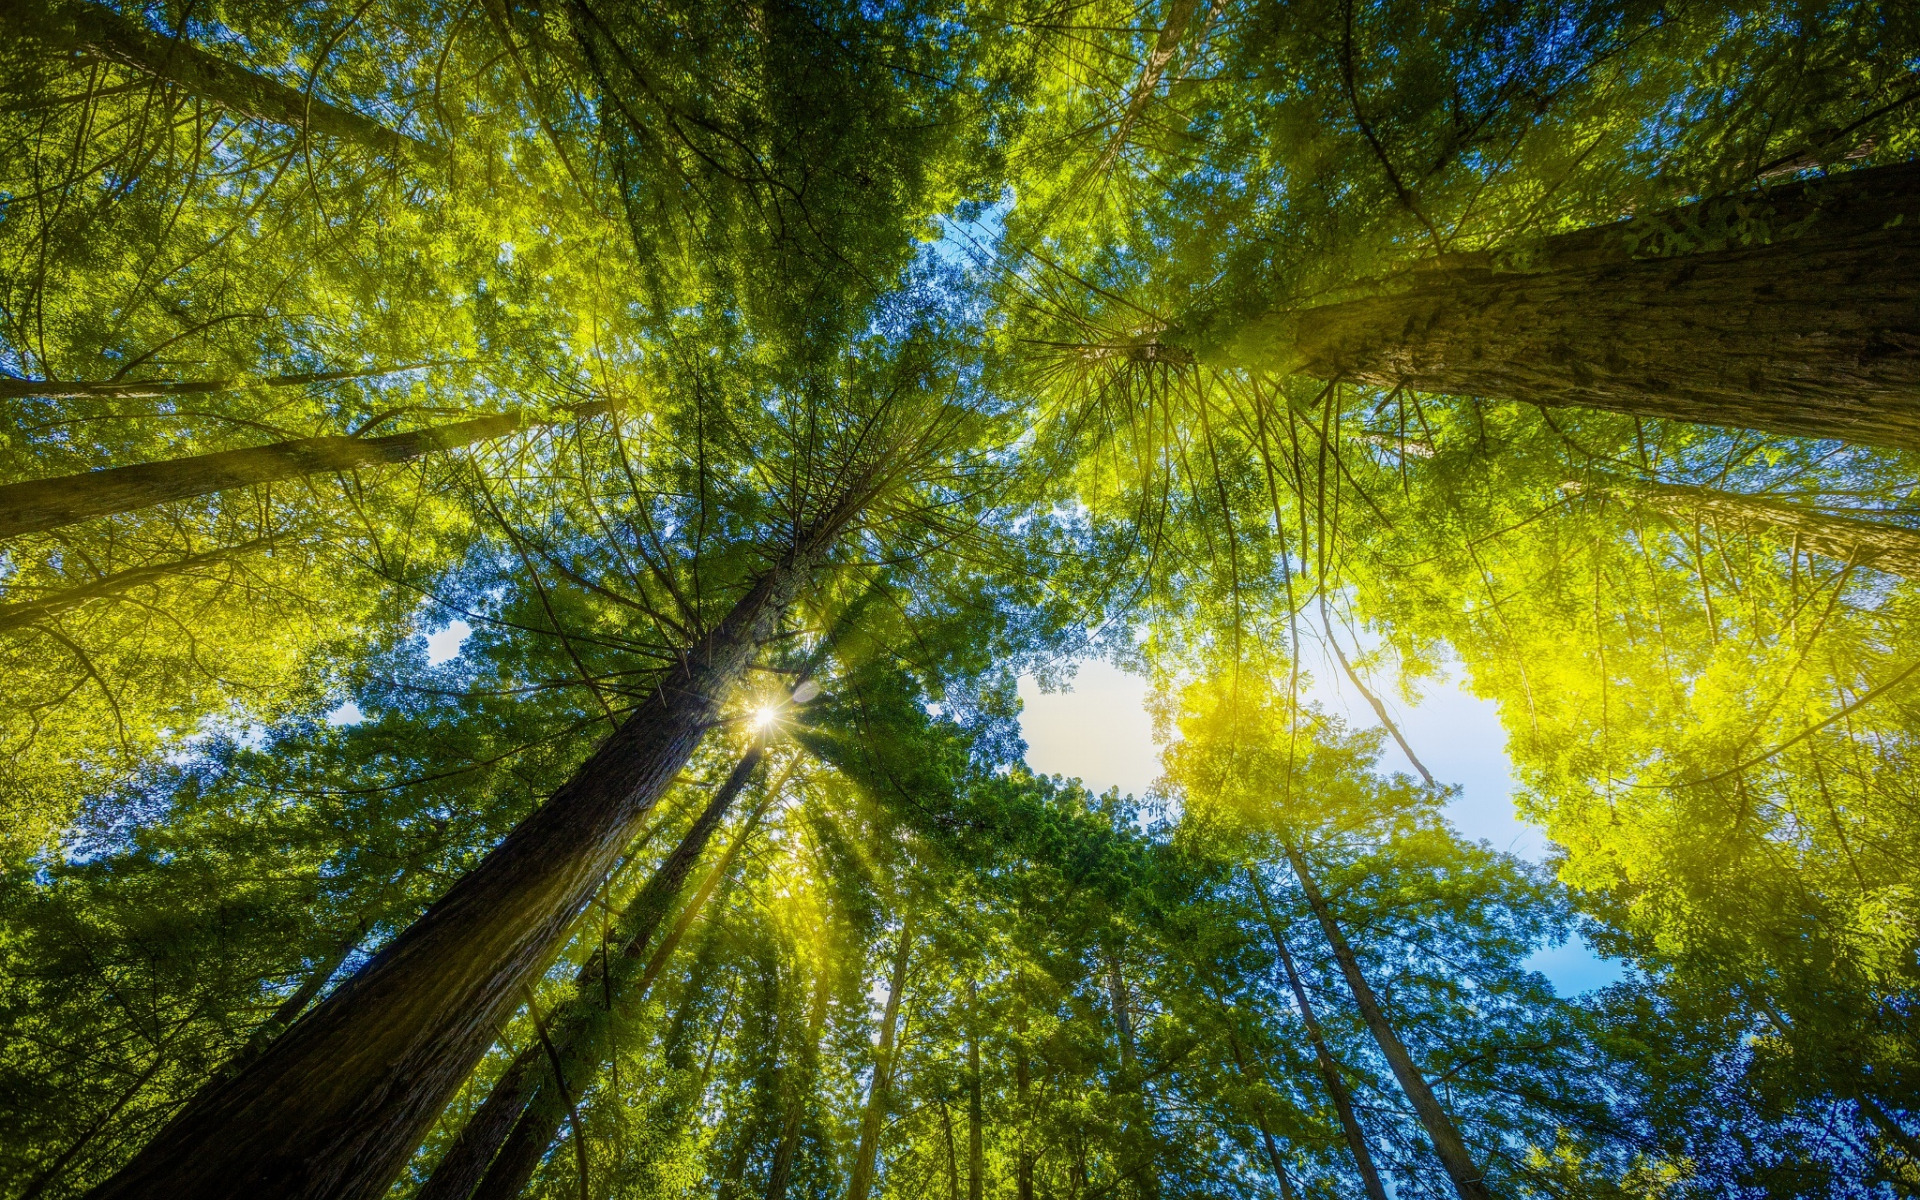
column 23, row 613
column 588, row 1044
column 337, row 1105
column 1322, row 1056
column 1179, row 16
column 976, row 1119
column 36, row 505
column 1468, row 1179
column 97, row 30
column 800, row 1083
column 1122, row 1010
column 465, row 1162
column 154, row 389
column 1811, row 328
column 861, row 1183
column 1891, row 548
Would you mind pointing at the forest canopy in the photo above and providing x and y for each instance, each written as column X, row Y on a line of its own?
column 765, row 389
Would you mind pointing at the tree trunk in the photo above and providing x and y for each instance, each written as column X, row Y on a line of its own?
column 465, row 1162
column 1814, row 333
column 337, row 1105
column 976, row 1119
column 1322, row 1055
column 97, row 30
column 800, row 1086
column 588, row 1043
column 1122, row 1010
column 34, row 505
column 1894, row 549
column 1023, row 1097
column 861, row 1183
column 155, row 389
column 28, row 612
column 1468, row 1179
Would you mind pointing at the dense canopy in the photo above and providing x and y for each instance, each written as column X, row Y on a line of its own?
column 521, row 524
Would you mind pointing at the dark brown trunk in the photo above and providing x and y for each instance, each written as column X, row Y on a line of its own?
column 337, row 1105
column 588, row 1042
column 1023, row 1097
column 976, row 1119
column 1322, row 1055
column 874, row 1115
column 466, row 1161
column 1814, row 333
column 97, row 30
column 34, row 505
column 119, row 583
column 800, row 1083
column 1468, row 1179
column 1891, row 548
column 154, row 389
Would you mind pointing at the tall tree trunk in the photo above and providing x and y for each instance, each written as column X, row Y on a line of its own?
column 1891, row 548
column 75, row 25
column 1322, row 1055
column 34, row 505
column 800, row 1083
column 466, row 1161
column 1811, row 330
column 976, row 1119
column 871, row 1119
column 1023, row 1098
column 29, row 612
column 337, row 1105
column 1468, row 1179
column 1274, row 1161
column 588, row 1042
column 1122, row 1010
column 154, row 389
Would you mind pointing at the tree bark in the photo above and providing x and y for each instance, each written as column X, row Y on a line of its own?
column 1804, row 320
column 861, row 1183
column 1322, row 1056
column 1023, row 1097
column 337, row 1105
column 1894, row 549
column 1468, row 1179
column 800, row 1084
column 28, row 612
column 587, row 1042
column 1122, row 1010
column 976, row 1119
column 36, row 505
column 155, row 389
column 97, row 30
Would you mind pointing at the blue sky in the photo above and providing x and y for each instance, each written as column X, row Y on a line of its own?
column 1099, row 732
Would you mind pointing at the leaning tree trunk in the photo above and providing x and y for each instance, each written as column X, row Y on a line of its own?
column 35, row 505
column 1794, row 310
column 875, row 1113
column 465, row 1162
column 14, row 388
column 802, row 1077
column 1468, row 1179
column 1894, row 549
column 1323, row 1057
column 94, row 29
column 586, row 1047
column 24, row 613
column 338, row 1104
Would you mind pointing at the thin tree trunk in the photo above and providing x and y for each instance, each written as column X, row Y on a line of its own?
column 602, row 984
column 861, row 1183
column 28, row 612
column 1814, row 333
column 1260, row 1122
column 1891, row 548
column 589, row 1042
column 289, row 1010
column 1322, row 1055
column 1122, row 1010
column 1468, row 1179
column 1023, row 1098
column 34, row 505
column 97, row 30
column 800, row 1086
column 337, row 1105
column 154, row 389
column 1179, row 16
column 976, row 1119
